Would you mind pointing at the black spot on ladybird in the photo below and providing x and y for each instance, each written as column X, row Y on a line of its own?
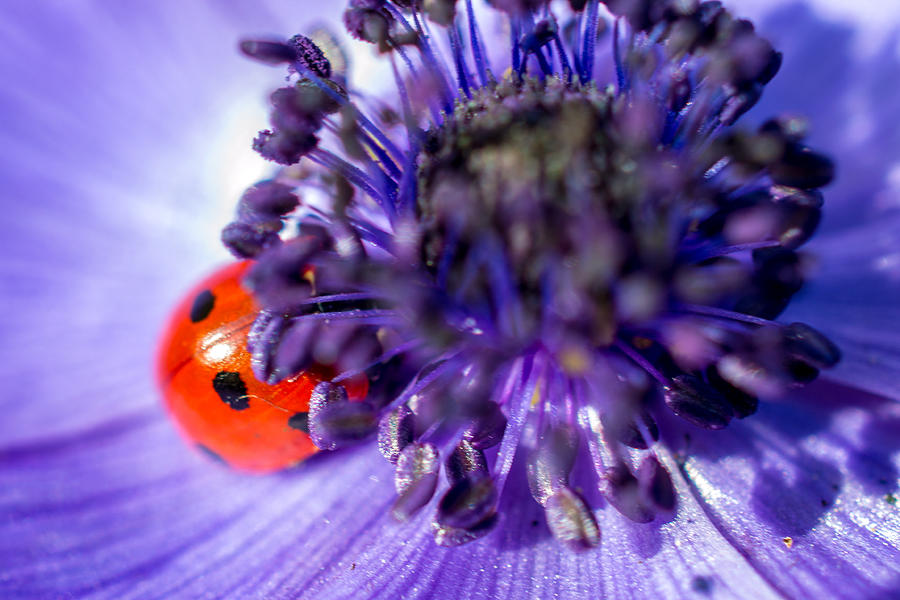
column 231, row 389
column 300, row 421
column 203, row 305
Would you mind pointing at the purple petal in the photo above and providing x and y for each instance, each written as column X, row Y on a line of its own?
column 810, row 484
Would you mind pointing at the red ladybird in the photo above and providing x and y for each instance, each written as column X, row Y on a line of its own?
column 211, row 392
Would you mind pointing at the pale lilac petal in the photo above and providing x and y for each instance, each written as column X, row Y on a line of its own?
column 806, row 491
column 83, row 519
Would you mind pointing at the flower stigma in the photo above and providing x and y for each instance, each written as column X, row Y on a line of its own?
column 537, row 265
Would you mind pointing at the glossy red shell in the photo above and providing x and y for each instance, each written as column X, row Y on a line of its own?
column 210, row 390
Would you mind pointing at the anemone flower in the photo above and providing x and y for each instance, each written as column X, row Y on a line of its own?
column 548, row 425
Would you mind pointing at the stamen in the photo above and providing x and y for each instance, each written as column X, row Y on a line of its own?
column 542, row 260
column 807, row 344
column 697, row 402
column 465, row 461
column 487, row 430
column 550, row 463
column 570, row 520
column 334, row 421
column 468, row 503
column 416, row 479
column 396, row 431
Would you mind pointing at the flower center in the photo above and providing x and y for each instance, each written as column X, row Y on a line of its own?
column 545, row 266
column 521, row 186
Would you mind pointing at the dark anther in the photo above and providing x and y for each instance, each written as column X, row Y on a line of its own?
column 744, row 404
column 311, row 56
column 802, row 168
column 772, row 67
column 341, row 424
column 543, row 33
column 396, row 431
column 800, row 372
column 267, row 201
column 284, row 148
column 641, row 14
column 465, row 461
column 754, row 373
column 791, row 128
column 697, row 402
column 467, row 503
column 799, row 216
column 741, row 102
column 324, row 395
column 809, row 345
column 367, row 24
column 778, row 276
column 453, row 536
column 262, row 340
column 441, row 12
column 247, row 241
column 487, row 430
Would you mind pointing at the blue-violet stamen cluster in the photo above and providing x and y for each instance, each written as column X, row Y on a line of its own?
column 534, row 267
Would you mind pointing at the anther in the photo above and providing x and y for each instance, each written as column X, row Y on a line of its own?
column 267, row 201
column 396, row 431
column 751, row 374
column 335, row 422
column 487, row 430
column 263, row 339
column 280, row 279
column 809, row 345
column 697, row 402
column 247, row 241
column 570, row 520
column 465, row 461
column 468, row 502
column 453, row 536
column 543, row 33
column 549, row 464
column 744, row 404
column 802, row 168
column 415, row 479
column 310, row 56
column 441, row 12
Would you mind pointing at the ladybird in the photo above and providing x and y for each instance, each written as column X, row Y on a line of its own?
column 211, row 392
